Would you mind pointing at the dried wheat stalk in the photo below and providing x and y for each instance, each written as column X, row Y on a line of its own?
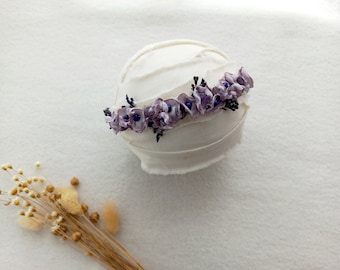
column 42, row 205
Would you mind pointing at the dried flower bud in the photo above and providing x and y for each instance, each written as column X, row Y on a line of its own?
column 58, row 196
column 52, row 197
column 50, row 188
column 74, row 181
column 26, row 203
column 16, row 202
column 84, row 207
column 76, row 236
column 37, row 164
column 94, row 217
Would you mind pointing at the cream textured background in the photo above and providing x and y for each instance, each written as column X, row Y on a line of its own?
column 273, row 203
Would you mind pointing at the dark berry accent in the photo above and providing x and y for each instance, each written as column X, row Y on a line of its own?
column 169, row 108
column 136, row 117
column 195, row 80
column 217, row 101
column 231, row 104
column 226, row 84
column 188, row 104
column 107, row 112
column 126, row 117
column 159, row 135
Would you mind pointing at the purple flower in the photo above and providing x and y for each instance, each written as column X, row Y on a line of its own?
column 137, row 120
column 227, row 80
column 113, row 121
column 110, row 120
column 234, row 91
column 158, row 114
column 189, row 104
column 174, row 110
column 204, row 98
column 243, row 78
column 123, row 118
column 232, row 86
column 221, row 91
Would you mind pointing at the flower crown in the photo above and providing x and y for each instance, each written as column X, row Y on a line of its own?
column 162, row 114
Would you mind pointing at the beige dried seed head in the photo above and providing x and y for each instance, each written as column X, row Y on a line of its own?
column 69, row 201
column 110, row 217
column 94, row 217
column 76, row 236
column 14, row 191
column 50, row 188
column 74, row 181
column 84, row 207
column 16, row 202
column 31, row 223
column 52, row 197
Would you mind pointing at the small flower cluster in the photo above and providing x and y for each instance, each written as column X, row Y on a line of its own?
column 41, row 204
column 164, row 113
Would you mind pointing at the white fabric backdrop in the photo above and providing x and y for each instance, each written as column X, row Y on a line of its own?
column 273, row 203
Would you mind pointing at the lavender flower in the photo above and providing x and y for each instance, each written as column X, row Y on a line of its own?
column 121, row 120
column 137, row 120
column 189, row 104
column 174, row 110
column 158, row 114
column 234, row 91
column 204, row 98
column 243, row 78
column 220, row 90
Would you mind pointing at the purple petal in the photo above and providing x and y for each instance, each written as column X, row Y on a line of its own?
column 189, row 104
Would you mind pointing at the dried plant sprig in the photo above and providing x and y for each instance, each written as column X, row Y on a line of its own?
column 44, row 205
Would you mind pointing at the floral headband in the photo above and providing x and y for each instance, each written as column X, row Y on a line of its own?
column 162, row 114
